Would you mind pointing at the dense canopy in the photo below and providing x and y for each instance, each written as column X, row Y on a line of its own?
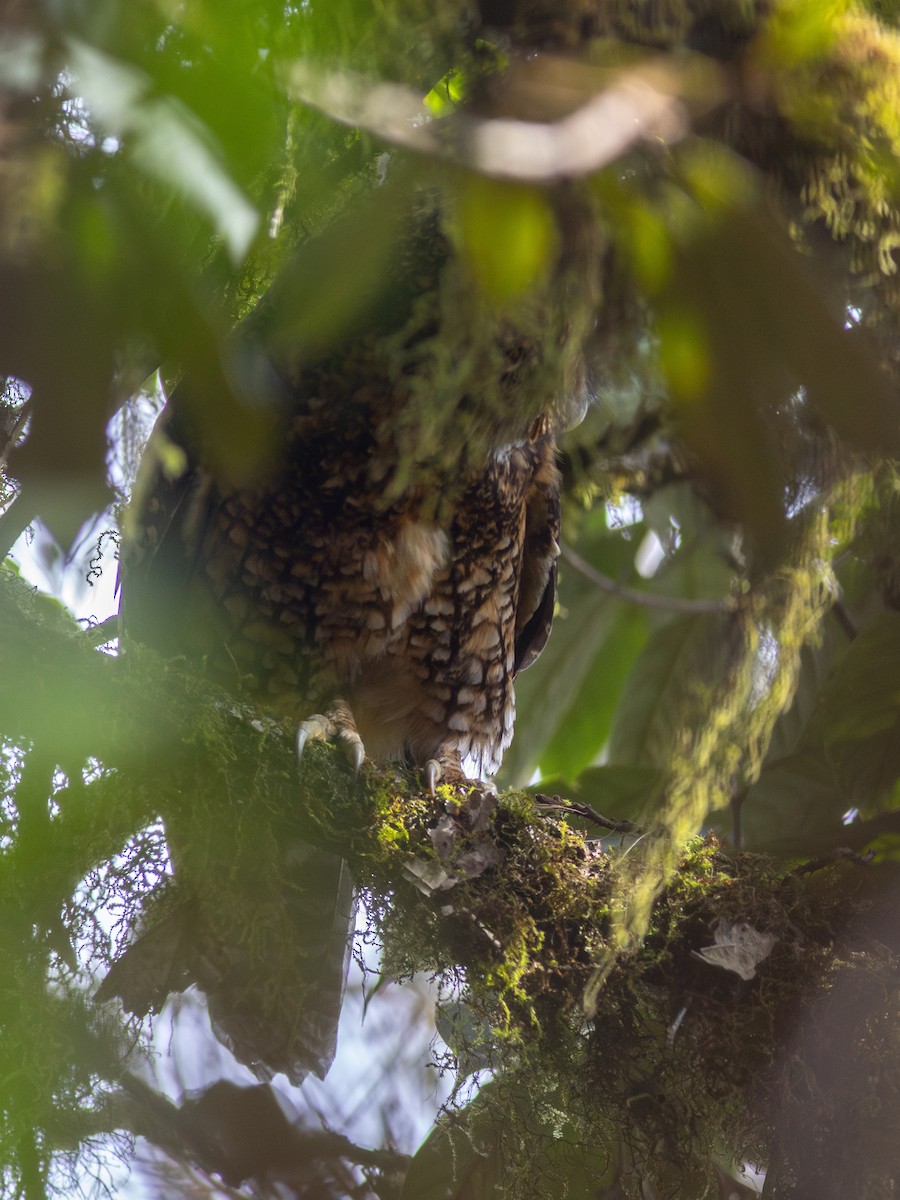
column 669, row 952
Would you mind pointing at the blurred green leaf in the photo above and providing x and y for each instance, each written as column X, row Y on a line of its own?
column 745, row 332
column 584, row 729
column 857, row 720
column 794, row 808
column 545, row 692
column 508, row 235
column 164, row 139
column 816, row 663
column 335, row 279
column 848, row 755
column 801, row 30
column 447, row 93
column 654, row 699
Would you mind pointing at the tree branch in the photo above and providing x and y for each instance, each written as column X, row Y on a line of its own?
column 520, row 905
column 681, row 604
column 559, row 804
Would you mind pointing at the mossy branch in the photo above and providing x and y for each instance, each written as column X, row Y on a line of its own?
column 518, row 904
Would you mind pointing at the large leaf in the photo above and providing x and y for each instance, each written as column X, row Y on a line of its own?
column 848, row 756
column 816, row 663
column 699, row 549
column 545, row 693
column 794, row 808
column 857, row 721
column 584, row 730
column 654, row 701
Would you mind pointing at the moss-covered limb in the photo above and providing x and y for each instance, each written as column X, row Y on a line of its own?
column 533, row 922
column 524, row 932
column 529, row 930
column 170, row 737
column 684, row 1060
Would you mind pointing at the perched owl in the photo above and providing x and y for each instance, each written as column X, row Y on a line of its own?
column 399, row 627
column 373, row 594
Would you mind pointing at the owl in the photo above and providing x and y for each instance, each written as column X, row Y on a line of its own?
column 368, row 589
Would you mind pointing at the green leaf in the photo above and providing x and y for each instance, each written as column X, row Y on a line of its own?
column 166, row 140
column 508, row 235
column 794, row 808
column 654, row 699
column 584, row 729
column 815, row 666
column 335, row 280
column 545, row 693
column 744, row 328
column 700, row 566
column 857, row 721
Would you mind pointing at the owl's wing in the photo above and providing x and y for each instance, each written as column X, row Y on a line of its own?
column 532, row 636
column 540, row 550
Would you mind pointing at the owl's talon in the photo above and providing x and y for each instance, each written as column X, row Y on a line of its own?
column 317, row 729
column 355, row 751
column 433, row 775
column 336, row 724
column 302, row 739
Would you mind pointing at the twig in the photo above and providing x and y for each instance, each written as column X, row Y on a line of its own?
column 839, row 854
column 103, row 631
column 646, row 599
column 560, row 804
column 844, row 619
column 637, row 105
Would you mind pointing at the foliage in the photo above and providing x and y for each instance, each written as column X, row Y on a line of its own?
column 688, row 210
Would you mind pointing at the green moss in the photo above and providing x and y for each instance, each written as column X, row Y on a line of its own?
column 391, row 816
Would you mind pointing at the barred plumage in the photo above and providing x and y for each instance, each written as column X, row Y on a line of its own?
column 363, row 586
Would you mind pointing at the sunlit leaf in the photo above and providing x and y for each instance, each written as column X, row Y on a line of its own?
column 544, row 692
column 447, row 93
column 685, row 353
column 508, row 235
column 584, row 729
column 802, row 30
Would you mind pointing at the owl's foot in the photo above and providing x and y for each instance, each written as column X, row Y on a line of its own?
column 447, row 769
column 337, row 724
column 433, row 773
